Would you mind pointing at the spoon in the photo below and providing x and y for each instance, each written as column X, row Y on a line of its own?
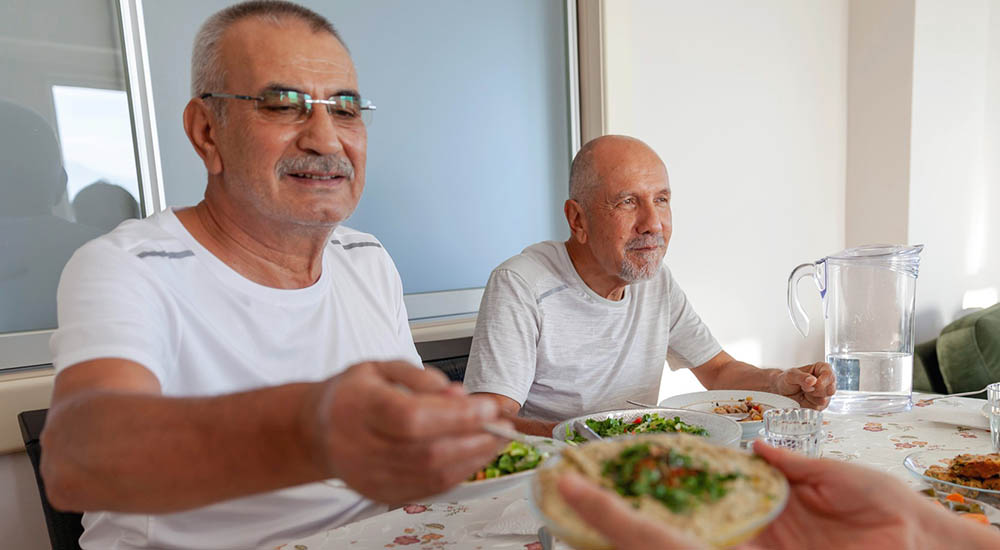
column 586, row 431
column 638, row 404
column 962, row 394
column 506, row 433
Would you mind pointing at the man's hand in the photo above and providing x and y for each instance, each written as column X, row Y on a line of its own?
column 811, row 385
column 611, row 516
column 839, row 505
column 395, row 433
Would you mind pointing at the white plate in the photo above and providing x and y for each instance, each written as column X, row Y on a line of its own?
column 721, row 430
column 985, row 411
column 469, row 490
column 705, row 401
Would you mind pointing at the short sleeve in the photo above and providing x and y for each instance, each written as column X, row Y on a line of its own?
column 691, row 343
column 504, row 344
column 110, row 306
column 403, row 333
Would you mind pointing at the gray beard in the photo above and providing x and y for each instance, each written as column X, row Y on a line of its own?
column 633, row 273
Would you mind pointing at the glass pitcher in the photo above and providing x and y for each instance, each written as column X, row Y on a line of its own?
column 868, row 296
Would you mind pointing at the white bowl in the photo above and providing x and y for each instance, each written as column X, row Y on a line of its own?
column 721, row 430
column 470, row 490
column 705, row 401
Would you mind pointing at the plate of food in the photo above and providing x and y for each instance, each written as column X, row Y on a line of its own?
column 720, row 495
column 744, row 406
column 514, row 465
column 969, row 475
column 717, row 429
column 966, row 507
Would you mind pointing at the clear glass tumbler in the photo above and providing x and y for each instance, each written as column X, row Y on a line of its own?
column 993, row 395
column 799, row 430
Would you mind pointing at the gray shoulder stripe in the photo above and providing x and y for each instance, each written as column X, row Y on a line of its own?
column 550, row 292
column 165, row 254
column 349, row 246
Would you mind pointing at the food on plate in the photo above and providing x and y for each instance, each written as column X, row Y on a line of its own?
column 976, row 471
column 649, row 422
column 516, row 457
column 978, row 466
column 966, row 508
column 754, row 411
column 717, row 494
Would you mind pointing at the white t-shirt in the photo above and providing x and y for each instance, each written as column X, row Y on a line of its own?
column 546, row 340
column 150, row 293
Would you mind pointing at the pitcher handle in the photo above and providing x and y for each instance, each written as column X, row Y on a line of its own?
column 795, row 311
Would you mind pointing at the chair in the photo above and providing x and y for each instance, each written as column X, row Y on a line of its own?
column 448, row 356
column 964, row 357
column 65, row 528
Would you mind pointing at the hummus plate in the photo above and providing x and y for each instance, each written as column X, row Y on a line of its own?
column 734, row 496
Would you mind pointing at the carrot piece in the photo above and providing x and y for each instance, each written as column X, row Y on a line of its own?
column 981, row 518
column 955, row 497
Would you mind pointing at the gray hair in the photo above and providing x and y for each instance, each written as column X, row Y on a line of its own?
column 583, row 178
column 207, row 72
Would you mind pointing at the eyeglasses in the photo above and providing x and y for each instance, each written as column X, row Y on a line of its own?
column 288, row 107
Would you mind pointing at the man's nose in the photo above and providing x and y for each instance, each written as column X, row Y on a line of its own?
column 648, row 219
column 321, row 134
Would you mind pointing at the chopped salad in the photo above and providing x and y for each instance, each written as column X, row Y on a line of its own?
column 670, row 477
column 649, row 422
column 516, row 457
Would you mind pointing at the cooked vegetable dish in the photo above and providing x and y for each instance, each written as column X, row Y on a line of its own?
column 516, row 457
column 754, row 411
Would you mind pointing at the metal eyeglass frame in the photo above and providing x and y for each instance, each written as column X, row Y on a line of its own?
column 366, row 105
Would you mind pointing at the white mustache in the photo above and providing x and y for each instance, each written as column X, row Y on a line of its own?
column 646, row 242
column 327, row 164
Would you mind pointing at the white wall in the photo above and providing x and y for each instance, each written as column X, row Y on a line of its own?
column 22, row 525
column 746, row 103
column 879, row 93
column 954, row 179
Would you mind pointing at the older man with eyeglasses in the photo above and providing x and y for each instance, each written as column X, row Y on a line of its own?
column 216, row 363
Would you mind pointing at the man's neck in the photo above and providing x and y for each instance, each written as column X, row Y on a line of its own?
column 270, row 256
column 586, row 266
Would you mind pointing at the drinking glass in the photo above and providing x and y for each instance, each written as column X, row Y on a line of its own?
column 993, row 395
column 799, row 430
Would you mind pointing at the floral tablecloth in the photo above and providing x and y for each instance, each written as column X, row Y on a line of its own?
column 879, row 440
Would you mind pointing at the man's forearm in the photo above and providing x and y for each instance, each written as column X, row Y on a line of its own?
column 153, row 454
column 531, row 426
column 737, row 375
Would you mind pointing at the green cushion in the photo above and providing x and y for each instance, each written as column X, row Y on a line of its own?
column 926, row 372
column 968, row 351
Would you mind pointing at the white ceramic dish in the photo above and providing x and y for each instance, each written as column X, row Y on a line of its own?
column 721, row 430
column 705, row 401
column 469, row 490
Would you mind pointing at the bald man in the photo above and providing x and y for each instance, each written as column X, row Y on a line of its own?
column 571, row 328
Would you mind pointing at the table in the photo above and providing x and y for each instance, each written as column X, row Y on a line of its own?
column 877, row 440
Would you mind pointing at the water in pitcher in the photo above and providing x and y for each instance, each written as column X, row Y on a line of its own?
column 871, row 381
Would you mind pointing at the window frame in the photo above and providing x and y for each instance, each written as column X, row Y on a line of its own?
column 30, row 349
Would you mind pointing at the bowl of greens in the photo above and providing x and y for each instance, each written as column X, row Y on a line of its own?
column 514, row 465
column 716, row 429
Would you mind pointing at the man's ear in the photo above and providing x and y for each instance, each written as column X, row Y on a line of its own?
column 200, row 125
column 576, row 220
